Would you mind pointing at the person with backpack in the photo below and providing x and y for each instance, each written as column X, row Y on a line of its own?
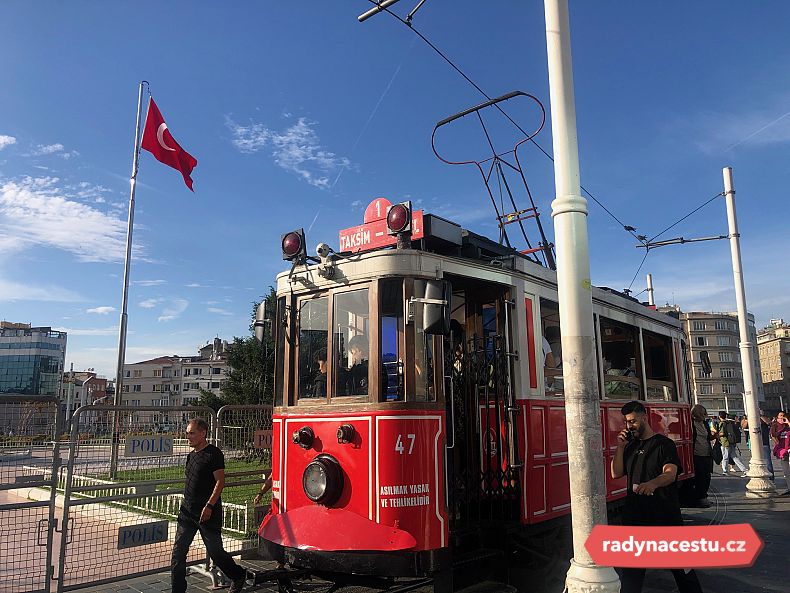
column 730, row 437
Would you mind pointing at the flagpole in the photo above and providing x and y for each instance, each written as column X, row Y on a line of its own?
column 125, row 295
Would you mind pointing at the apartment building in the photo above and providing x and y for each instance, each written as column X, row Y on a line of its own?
column 718, row 334
column 168, row 381
column 773, row 345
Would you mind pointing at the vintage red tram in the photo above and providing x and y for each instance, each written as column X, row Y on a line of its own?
column 418, row 395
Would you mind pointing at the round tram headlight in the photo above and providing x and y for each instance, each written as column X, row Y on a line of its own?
column 322, row 480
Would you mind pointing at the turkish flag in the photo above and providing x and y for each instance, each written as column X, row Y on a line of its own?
column 158, row 140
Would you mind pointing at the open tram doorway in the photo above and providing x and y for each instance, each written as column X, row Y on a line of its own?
column 483, row 460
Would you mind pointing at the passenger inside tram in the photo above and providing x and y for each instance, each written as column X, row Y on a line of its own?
column 357, row 375
column 319, row 382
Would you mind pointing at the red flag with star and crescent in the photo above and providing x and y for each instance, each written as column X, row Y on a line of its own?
column 158, row 140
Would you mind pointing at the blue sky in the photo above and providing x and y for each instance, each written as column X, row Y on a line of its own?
column 299, row 116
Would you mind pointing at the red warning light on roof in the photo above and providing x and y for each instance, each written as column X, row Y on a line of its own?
column 373, row 233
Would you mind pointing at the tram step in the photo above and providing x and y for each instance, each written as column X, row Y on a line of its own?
column 488, row 587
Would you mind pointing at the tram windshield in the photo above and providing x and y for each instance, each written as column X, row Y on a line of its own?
column 357, row 344
column 351, row 342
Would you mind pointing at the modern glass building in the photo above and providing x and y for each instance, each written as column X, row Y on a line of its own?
column 31, row 359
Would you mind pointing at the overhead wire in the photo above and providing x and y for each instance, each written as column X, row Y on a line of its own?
column 410, row 25
column 647, row 251
column 628, row 228
column 653, row 238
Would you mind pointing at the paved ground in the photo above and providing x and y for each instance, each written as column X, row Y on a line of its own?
column 770, row 518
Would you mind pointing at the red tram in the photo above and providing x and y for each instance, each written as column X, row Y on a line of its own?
column 419, row 397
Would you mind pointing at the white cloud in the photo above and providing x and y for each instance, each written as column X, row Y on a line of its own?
column 42, row 149
column 219, row 311
column 14, row 291
column 101, row 310
column 149, row 282
column 57, row 148
column 36, row 211
column 173, row 310
column 248, row 139
column 6, row 141
column 197, row 285
column 356, row 204
column 149, row 303
column 297, row 149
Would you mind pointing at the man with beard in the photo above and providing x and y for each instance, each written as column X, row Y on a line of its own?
column 651, row 463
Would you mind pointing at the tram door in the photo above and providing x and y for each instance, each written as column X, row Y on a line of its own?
column 483, row 457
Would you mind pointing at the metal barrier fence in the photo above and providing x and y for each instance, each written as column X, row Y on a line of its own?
column 29, row 459
column 244, row 435
column 113, row 527
column 119, row 514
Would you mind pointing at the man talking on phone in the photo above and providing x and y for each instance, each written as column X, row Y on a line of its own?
column 202, row 510
column 651, row 463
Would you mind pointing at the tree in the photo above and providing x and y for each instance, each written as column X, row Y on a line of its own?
column 250, row 378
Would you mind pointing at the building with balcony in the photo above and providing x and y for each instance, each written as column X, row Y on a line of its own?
column 773, row 345
column 718, row 335
column 169, row 381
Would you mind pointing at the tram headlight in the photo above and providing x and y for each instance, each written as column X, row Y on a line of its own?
column 322, row 480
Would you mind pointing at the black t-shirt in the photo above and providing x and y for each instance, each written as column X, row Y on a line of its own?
column 765, row 432
column 643, row 461
column 200, row 482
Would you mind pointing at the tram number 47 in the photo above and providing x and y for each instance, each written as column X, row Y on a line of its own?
column 399, row 443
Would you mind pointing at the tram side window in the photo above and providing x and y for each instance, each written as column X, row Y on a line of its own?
column 423, row 354
column 279, row 336
column 659, row 367
column 313, row 336
column 351, row 343
column 621, row 360
column 551, row 347
column 391, row 328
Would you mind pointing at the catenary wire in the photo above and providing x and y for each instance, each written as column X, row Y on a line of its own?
column 718, row 195
column 647, row 251
column 410, row 25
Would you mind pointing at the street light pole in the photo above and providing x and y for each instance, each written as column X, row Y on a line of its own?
column 759, row 485
column 569, row 211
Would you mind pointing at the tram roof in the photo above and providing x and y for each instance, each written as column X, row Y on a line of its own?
column 468, row 254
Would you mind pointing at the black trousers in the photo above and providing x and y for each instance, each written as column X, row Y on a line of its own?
column 703, row 468
column 631, row 580
column 211, row 533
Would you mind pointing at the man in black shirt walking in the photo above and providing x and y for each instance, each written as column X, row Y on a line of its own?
column 202, row 510
column 651, row 462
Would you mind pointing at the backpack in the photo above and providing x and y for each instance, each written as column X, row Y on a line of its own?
column 732, row 432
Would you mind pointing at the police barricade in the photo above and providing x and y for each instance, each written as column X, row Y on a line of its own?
column 244, row 433
column 122, row 492
column 29, row 459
